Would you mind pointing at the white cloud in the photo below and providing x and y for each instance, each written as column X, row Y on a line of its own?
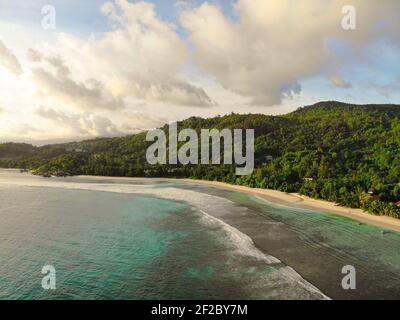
column 142, row 57
column 148, row 56
column 8, row 60
column 58, row 86
column 135, row 121
column 277, row 43
column 86, row 124
column 140, row 73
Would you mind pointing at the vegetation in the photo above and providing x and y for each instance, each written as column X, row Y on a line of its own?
column 332, row 151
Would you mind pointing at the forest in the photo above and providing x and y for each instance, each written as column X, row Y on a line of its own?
column 344, row 153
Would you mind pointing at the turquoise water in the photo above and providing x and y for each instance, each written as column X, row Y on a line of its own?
column 101, row 244
column 107, row 245
column 144, row 239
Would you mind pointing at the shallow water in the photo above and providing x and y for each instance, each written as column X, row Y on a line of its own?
column 144, row 239
column 319, row 244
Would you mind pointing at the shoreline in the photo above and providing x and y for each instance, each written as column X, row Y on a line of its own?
column 303, row 202
column 232, row 226
column 293, row 200
column 318, row 265
column 267, row 240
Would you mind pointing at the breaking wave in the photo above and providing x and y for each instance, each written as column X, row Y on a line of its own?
column 212, row 209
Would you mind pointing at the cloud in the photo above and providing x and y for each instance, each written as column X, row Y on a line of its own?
column 8, row 60
column 338, row 82
column 139, row 121
column 182, row 4
column 60, row 87
column 151, row 56
column 142, row 71
column 277, row 43
column 34, row 55
column 26, row 129
column 86, row 124
column 142, row 58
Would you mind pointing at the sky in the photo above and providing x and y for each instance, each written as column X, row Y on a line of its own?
column 73, row 70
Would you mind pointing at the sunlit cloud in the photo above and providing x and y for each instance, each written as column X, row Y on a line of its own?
column 8, row 60
column 142, row 68
column 275, row 44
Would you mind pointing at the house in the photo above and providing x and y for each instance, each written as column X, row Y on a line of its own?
column 308, row 179
column 372, row 191
column 397, row 204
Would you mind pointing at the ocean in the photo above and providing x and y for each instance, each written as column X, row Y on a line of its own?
column 152, row 239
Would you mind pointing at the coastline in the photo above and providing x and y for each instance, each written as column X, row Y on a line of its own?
column 272, row 239
column 294, row 200
column 320, row 260
column 299, row 201
column 231, row 230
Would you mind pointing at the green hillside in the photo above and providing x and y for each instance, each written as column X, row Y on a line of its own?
column 330, row 150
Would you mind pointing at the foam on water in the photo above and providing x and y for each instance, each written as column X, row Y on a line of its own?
column 243, row 243
column 246, row 246
column 212, row 209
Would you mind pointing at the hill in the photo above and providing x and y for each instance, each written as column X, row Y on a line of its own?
column 331, row 150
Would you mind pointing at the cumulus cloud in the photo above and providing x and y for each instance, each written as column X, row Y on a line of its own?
column 151, row 56
column 58, row 85
column 138, row 121
column 142, row 57
column 86, row 124
column 145, row 68
column 8, row 60
column 277, row 43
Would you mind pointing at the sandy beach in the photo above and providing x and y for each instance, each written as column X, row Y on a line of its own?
column 292, row 200
column 299, row 201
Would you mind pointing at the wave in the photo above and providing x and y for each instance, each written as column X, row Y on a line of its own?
column 246, row 246
column 204, row 203
column 243, row 243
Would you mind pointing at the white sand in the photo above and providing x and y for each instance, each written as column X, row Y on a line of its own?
column 293, row 200
column 299, row 201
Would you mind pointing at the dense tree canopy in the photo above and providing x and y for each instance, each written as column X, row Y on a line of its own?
column 332, row 151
